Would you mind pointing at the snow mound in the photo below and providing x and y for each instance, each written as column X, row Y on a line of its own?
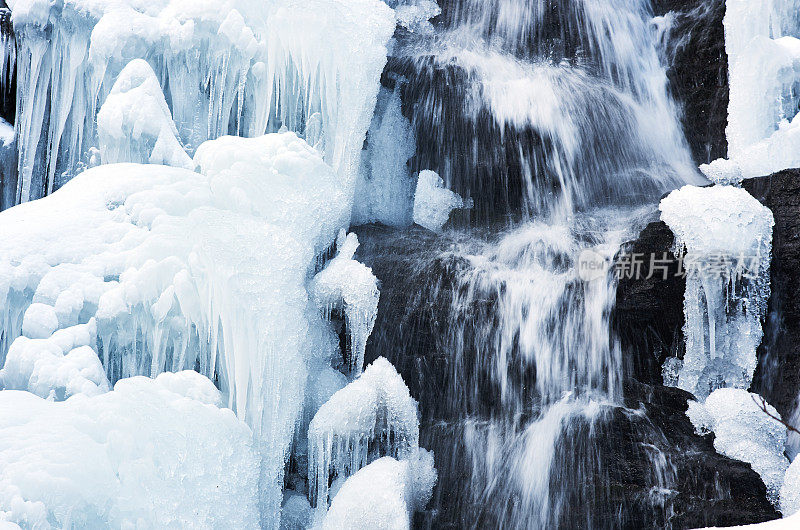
column 433, row 202
column 383, row 495
column 139, row 456
column 57, row 367
column 373, row 416
column 743, row 431
column 184, row 270
column 350, row 286
column 135, row 123
column 727, row 238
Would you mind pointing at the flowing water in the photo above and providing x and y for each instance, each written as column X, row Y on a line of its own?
column 567, row 137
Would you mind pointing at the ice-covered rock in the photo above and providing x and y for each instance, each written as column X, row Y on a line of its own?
column 349, row 286
column 240, row 67
column 726, row 235
column 433, row 202
column 371, row 417
column 135, row 124
column 743, row 431
column 383, row 495
column 184, row 270
column 58, row 366
column 140, row 456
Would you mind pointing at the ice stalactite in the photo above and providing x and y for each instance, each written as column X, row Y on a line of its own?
column 135, row 125
column 762, row 40
column 308, row 70
column 371, row 417
column 725, row 238
column 237, row 67
column 349, row 286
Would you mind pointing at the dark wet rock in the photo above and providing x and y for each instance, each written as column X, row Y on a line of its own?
column 698, row 71
column 648, row 316
column 778, row 375
column 641, row 465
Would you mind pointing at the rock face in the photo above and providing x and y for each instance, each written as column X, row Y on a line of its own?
column 647, row 442
column 778, row 375
column 648, row 317
column 694, row 50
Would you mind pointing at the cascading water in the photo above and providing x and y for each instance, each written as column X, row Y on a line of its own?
column 568, row 133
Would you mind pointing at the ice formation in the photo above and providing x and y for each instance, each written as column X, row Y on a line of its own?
column 762, row 40
column 385, row 191
column 349, row 286
column 186, row 270
column 743, row 431
column 144, row 455
column 433, row 202
column 790, row 490
column 726, row 235
column 238, row 66
column 59, row 366
column 135, row 124
column 383, row 495
column 371, row 417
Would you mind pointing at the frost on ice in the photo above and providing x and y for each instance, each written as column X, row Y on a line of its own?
column 135, row 124
column 147, row 454
column 371, row 417
column 744, row 432
column 383, row 495
column 433, row 202
column 762, row 40
column 726, row 235
column 241, row 67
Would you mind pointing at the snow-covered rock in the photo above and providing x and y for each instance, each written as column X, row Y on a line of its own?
column 727, row 238
column 383, row 495
column 373, row 413
column 743, row 431
column 139, row 456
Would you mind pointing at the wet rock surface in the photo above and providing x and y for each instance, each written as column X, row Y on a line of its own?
column 697, row 68
column 647, row 442
column 778, row 375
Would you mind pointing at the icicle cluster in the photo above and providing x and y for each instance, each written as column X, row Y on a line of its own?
column 371, row 417
column 725, row 238
column 234, row 67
